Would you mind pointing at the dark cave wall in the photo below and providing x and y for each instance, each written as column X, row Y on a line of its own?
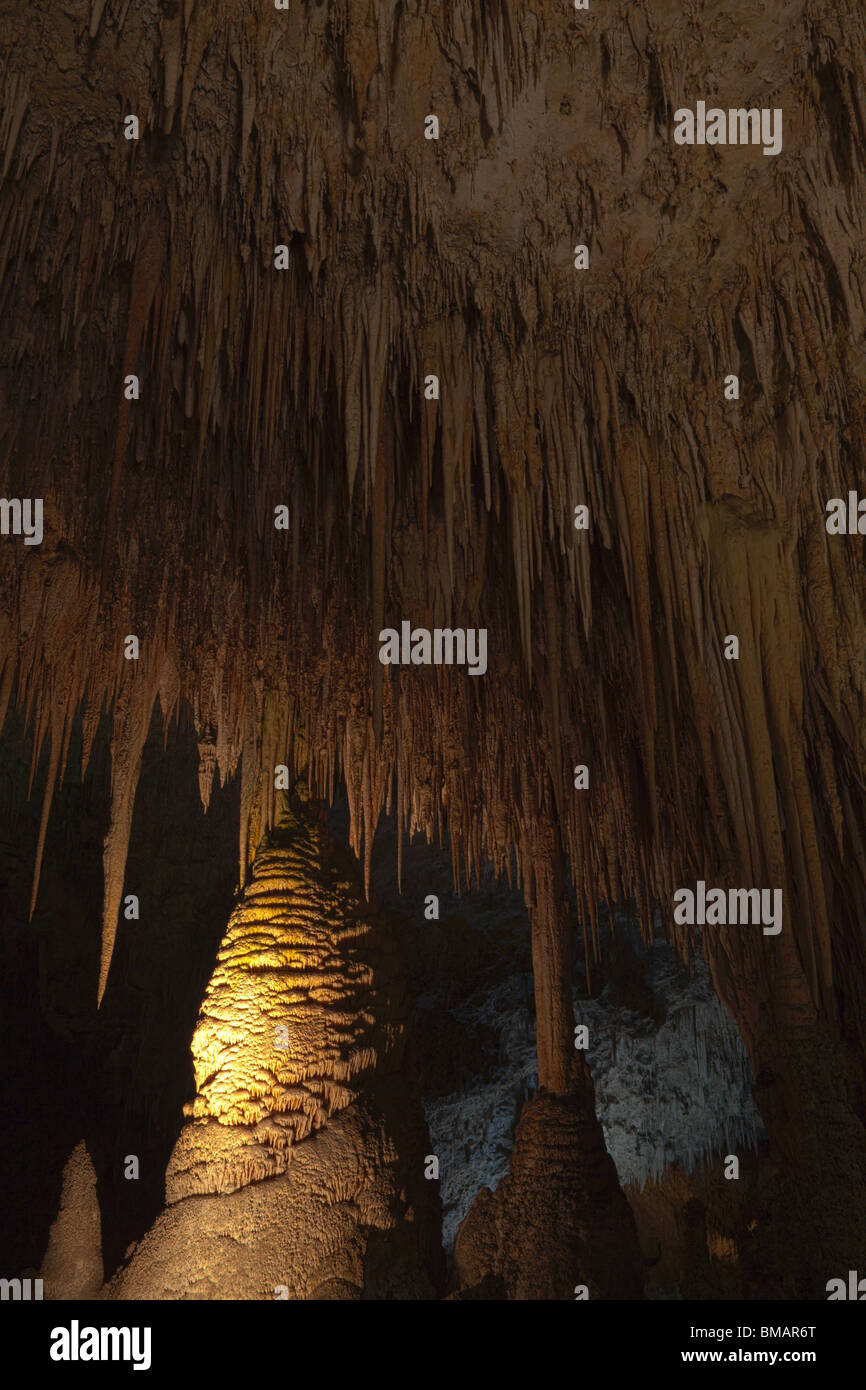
column 116, row 1078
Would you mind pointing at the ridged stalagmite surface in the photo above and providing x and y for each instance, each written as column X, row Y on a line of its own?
column 298, row 1014
column 300, row 1168
column 346, row 1220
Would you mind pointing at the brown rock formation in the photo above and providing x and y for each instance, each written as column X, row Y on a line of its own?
column 346, row 1219
column 559, row 1220
column 294, row 1015
column 301, row 1165
column 72, row 1267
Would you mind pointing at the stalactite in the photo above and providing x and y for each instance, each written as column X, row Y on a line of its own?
column 557, row 388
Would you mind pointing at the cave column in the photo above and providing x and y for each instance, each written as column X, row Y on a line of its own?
column 552, row 962
column 558, row 1221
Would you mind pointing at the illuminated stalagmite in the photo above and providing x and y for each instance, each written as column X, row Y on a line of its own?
column 300, row 1038
column 302, row 389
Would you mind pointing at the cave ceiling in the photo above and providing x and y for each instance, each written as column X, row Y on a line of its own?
column 307, row 388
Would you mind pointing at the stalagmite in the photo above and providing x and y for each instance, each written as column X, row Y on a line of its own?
column 301, row 1036
column 72, row 1267
column 288, row 1022
column 558, row 1222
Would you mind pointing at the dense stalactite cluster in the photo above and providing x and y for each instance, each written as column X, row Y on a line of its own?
column 558, row 387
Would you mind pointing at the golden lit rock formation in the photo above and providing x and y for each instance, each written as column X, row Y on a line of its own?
column 299, row 1011
column 310, row 1157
